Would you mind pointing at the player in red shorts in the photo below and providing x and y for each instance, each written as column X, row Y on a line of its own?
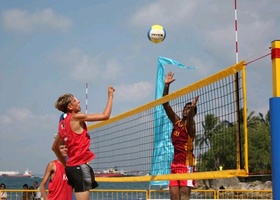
column 182, row 137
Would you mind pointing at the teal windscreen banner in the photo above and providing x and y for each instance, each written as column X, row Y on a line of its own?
column 163, row 149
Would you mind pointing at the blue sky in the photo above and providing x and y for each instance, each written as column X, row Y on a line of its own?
column 49, row 48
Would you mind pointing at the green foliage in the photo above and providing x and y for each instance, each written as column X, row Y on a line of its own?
column 221, row 142
column 259, row 148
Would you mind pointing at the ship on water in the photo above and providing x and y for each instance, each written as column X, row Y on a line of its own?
column 16, row 174
column 111, row 172
column 114, row 172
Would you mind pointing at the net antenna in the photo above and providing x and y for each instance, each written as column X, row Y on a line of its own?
column 236, row 31
column 86, row 98
column 238, row 106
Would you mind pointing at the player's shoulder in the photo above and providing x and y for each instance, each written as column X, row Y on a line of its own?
column 78, row 116
column 51, row 165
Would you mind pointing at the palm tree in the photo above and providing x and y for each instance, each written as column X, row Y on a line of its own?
column 265, row 120
column 210, row 126
column 251, row 119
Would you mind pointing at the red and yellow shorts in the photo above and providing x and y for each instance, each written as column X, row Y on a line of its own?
column 180, row 169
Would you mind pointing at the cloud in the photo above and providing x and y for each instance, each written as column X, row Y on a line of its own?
column 164, row 12
column 16, row 115
column 26, row 135
column 20, row 122
column 78, row 65
column 204, row 68
column 24, row 21
column 258, row 28
column 134, row 92
column 86, row 67
column 112, row 70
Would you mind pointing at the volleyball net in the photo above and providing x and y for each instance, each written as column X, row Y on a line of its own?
column 136, row 145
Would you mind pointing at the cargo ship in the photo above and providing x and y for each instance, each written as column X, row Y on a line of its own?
column 114, row 172
column 16, row 174
column 111, row 172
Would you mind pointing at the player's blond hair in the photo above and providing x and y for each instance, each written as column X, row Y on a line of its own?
column 63, row 101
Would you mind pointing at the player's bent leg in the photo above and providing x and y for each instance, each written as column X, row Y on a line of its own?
column 185, row 193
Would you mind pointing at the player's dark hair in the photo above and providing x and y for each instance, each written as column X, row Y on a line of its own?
column 195, row 108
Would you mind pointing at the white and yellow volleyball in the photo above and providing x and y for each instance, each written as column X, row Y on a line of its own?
column 156, row 33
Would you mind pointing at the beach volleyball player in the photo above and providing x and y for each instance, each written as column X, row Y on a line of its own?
column 72, row 130
column 56, row 178
column 182, row 137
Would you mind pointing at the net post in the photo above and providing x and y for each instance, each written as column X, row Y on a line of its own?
column 274, row 106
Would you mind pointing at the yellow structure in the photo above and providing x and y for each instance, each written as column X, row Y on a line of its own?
column 275, row 57
column 162, row 194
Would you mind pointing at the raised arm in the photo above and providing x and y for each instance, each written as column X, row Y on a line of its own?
column 98, row 116
column 55, row 147
column 170, row 113
column 190, row 121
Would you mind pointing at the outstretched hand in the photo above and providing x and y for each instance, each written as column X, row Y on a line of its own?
column 169, row 78
column 195, row 101
column 111, row 90
column 191, row 112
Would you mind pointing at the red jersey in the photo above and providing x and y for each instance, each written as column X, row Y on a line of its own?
column 77, row 144
column 183, row 145
column 58, row 185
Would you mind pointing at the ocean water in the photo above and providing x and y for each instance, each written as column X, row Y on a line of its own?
column 17, row 183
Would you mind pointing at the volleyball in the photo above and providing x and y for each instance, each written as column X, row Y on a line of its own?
column 156, row 33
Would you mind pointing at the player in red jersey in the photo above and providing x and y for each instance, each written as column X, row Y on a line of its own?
column 58, row 182
column 182, row 137
column 73, row 131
